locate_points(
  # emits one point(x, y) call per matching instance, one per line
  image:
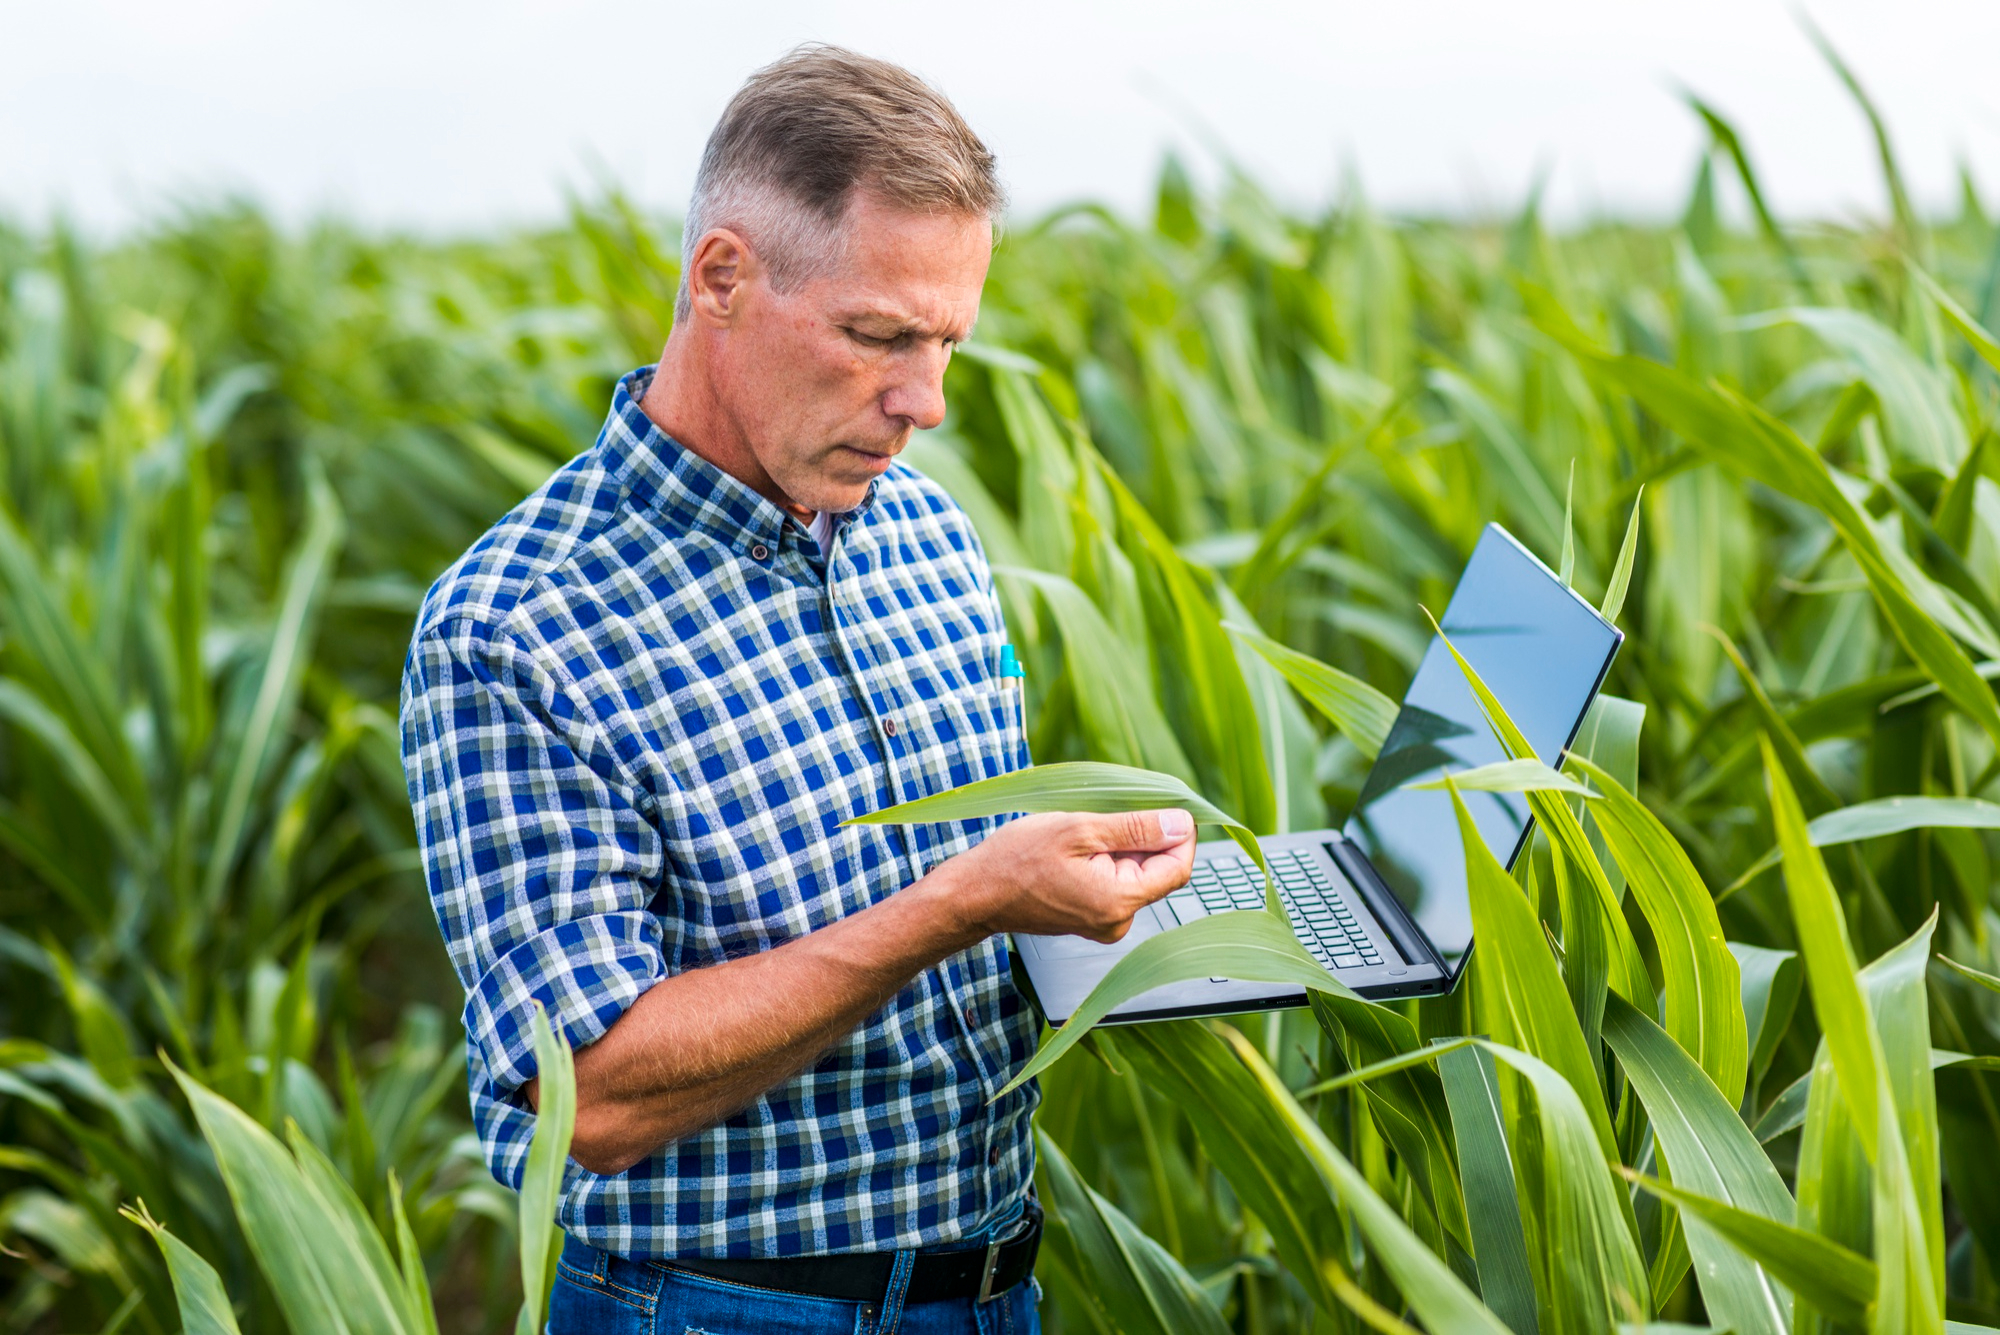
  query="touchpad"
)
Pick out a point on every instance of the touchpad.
point(1147, 922)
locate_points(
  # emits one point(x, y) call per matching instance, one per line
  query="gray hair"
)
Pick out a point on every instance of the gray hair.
point(804, 134)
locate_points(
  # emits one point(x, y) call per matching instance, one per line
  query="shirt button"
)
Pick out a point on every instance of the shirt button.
point(993, 1157)
point(972, 1016)
point(760, 552)
point(889, 726)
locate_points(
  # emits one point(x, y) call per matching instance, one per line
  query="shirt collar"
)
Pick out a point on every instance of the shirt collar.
point(687, 489)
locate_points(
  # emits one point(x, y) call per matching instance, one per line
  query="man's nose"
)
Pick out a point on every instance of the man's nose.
point(918, 394)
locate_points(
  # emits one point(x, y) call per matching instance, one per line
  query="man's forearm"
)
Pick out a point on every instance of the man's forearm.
point(700, 1045)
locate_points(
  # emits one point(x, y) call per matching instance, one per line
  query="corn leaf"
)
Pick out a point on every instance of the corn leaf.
point(1829, 960)
point(1438, 1297)
point(542, 1176)
point(323, 1280)
point(1250, 947)
point(1129, 1279)
point(1360, 711)
point(1742, 437)
point(1703, 1002)
point(1621, 570)
point(1708, 1150)
point(1492, 1203)
point(1251, 1143)
point(1771, 982)
point(1838, 1282)
point(1854, 1169)
point(1511, 776)
point(1594, 931)
point(198, 1292)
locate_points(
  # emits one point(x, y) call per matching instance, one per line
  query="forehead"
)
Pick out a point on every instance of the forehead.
point(924, 267)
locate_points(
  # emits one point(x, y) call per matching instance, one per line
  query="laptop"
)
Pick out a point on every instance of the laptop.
point(1382, 901)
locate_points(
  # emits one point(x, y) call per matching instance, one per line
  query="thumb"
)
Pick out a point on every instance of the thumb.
point(1142, 831)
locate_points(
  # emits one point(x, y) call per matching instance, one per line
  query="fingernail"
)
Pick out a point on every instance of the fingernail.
point(1176, 824)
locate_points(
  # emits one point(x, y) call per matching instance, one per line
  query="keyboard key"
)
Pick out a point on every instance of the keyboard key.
point(1347, 961)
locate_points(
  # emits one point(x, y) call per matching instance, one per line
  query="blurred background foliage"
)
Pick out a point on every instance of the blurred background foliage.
point(234, 456)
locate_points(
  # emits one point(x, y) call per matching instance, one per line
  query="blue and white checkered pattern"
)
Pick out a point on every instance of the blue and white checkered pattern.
point(634, 716)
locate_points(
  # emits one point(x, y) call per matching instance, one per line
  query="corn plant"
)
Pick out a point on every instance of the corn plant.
point(1221, 457)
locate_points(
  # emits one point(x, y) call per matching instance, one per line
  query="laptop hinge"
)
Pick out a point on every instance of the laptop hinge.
point(1382, 901)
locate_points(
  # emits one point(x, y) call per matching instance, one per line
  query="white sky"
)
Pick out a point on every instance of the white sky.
point(448, 114)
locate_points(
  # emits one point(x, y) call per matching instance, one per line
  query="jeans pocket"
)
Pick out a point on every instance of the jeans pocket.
point(600, 1299)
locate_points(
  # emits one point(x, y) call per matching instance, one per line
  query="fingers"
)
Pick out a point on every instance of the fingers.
point(1138, 831)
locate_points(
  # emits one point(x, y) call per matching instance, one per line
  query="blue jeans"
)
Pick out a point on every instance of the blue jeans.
point(597, 1293)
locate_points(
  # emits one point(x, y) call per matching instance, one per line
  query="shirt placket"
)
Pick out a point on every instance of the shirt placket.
point(895, 739)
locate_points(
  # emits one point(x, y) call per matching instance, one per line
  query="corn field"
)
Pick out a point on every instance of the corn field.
point(1723, 1060)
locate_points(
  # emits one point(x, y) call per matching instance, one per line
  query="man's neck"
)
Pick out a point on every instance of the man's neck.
point(681, 403)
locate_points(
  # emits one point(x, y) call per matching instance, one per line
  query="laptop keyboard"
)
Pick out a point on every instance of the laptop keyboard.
point(1324, 921)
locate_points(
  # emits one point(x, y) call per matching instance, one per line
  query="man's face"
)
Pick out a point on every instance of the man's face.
point(826, 382)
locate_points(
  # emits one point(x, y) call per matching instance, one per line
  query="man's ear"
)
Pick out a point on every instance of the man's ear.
point(720, 269)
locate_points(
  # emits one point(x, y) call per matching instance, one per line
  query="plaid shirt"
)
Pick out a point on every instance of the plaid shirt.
point(634, 716)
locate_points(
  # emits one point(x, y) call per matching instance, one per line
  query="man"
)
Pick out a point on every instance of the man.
point(637, 712)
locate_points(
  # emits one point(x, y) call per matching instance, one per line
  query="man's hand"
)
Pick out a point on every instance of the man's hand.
point(701, 1044)
point(1061, 874)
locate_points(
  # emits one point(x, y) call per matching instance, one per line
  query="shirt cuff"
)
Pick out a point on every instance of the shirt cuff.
point(587, 972)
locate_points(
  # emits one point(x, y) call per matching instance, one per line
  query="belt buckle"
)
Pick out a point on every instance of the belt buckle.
point(989, 1269)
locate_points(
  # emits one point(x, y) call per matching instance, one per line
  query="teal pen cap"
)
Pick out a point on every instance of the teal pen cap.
point(1010, 666)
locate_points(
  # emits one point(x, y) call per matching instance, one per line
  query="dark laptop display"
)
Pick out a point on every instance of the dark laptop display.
point(1541, 651)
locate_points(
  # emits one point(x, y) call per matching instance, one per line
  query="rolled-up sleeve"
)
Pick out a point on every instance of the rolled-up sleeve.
point(540, 864)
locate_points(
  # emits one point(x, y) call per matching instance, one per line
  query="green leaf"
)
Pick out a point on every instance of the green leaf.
point(1916, 401)
point(1771, 982)
point(1973, 332)
point(1256, 946)
point(1511, 776)
point(1985, 980)
point(417, 1304)
point(1438, 1297)
point(1360, 711)
point(1702, 985)
point(1567, 569)
point(1519, 983)
point(1853, 1077)
point(1250, 1141)
point(1839, 1282)
point(1595, 1270)
point(1829, 960)
point(542, 1177)
point(1078, 785)
point(1130, 1281)
point(1506, 1281)
point(1517, 975)
point(1708, 1150)
point(204, 1306)
point(1742, 437)
point(1366, 1034)
point(323, 1280)
point(1894, 815)
point(264, 729)
point(1621, 572)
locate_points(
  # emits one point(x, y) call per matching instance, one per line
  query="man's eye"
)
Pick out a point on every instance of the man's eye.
point(870, 340)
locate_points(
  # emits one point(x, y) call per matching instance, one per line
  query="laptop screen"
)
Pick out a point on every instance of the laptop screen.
point(1542, 652)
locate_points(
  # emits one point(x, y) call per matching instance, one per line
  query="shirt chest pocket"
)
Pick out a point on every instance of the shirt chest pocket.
point(975, 731)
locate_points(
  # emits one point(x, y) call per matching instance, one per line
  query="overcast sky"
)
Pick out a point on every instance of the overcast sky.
point(444, 114)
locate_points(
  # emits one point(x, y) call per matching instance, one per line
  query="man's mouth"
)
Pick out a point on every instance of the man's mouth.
point(874, 460)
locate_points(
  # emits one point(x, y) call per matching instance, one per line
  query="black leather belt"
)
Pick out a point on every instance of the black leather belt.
point(863, 1277)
